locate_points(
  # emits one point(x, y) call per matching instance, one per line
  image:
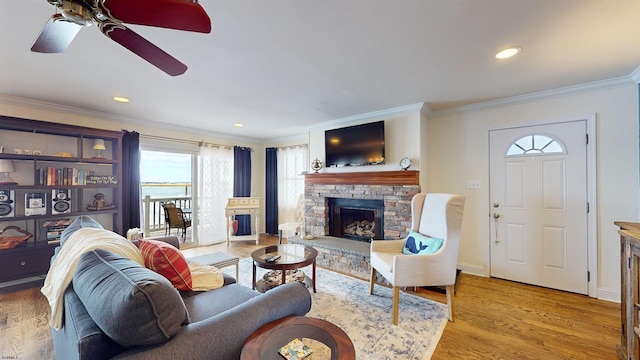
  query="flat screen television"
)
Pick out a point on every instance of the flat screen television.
point(355, 145)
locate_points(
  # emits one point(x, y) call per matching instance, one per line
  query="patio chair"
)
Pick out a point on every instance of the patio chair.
point(175, 218)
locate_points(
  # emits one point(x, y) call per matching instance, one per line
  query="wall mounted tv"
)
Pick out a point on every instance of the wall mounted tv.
point(355, 145)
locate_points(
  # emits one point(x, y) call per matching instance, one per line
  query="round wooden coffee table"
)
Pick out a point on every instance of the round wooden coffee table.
point(292, 256)
point(264, 343)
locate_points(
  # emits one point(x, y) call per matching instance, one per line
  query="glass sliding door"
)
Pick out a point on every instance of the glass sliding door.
point(167, 177)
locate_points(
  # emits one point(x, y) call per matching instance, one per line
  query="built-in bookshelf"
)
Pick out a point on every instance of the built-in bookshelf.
point(56, 172)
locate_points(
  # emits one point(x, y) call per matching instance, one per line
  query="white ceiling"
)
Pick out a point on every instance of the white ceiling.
point(282, 66)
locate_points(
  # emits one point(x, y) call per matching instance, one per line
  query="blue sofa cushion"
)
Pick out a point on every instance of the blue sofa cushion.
point(79, 223)
point(130, 303)
point(88, 339)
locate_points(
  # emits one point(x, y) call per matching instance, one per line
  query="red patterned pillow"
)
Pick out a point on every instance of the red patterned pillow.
point(168, 261)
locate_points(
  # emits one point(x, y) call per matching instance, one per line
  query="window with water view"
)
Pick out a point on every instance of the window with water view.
point(165, 175)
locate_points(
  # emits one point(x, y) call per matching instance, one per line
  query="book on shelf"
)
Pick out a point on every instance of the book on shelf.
point(51, 176)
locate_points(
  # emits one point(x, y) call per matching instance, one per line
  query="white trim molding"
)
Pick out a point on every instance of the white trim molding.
point(371, 116)
point(472, 269)
point(609, 295)
point(545, 94)
point(635, 75)
point(65, 109)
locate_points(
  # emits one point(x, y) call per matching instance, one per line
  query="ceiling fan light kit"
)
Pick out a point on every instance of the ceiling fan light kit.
point(111, 15)
point(76, 13)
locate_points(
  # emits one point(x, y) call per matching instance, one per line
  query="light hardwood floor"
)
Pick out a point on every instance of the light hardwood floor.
point(494, 319)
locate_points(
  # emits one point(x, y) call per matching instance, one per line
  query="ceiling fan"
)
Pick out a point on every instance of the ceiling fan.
point(110, 15)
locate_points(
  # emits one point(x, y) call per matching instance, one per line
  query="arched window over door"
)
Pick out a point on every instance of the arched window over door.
point(536, 144)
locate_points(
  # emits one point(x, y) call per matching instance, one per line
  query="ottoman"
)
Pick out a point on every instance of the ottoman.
point(217, 259)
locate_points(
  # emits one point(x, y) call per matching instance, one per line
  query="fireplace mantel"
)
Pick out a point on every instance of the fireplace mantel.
point(364, 178)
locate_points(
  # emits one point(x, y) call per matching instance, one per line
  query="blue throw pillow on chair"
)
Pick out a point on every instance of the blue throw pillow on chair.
point(417, 243)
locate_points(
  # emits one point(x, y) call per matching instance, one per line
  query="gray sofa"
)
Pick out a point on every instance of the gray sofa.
point(155, 321)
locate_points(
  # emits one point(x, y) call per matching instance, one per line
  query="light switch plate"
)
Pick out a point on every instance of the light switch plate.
point(473, 184)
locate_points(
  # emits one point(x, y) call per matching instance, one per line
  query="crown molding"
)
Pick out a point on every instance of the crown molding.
point(635, 75)
point(299, 138)
point(381, 114)
point(425, 110)
point(541, 95)
point(65, 109)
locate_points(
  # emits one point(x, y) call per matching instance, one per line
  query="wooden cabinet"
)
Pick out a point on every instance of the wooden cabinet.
point(25, 261)
point(629, 347)
point(60, 172)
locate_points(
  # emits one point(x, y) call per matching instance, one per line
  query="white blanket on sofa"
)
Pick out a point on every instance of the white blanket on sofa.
point(205, 277)
point(64, 266)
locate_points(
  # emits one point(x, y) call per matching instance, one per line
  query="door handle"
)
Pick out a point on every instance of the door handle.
point(495, 221)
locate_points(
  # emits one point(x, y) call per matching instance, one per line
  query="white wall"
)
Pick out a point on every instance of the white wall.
point(457, 145)
point(401, 138)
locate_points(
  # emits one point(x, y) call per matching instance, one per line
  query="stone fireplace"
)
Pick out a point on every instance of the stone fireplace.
point(385, 195)
point(382, 198)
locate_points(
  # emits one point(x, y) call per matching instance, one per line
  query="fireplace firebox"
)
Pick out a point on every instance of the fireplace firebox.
point(356, 219)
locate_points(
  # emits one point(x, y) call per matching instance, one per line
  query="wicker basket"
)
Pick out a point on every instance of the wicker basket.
point(9, 242)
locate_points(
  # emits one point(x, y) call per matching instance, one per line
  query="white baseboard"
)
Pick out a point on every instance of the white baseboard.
point(609, 295)
point(471, 269)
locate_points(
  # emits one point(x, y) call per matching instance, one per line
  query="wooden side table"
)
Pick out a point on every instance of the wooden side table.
point(264, 343)
point(243, 206)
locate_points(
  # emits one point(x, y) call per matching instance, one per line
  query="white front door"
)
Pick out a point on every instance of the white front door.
point(538, 200)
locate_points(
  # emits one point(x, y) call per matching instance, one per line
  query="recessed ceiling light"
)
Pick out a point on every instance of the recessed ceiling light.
point(121, 99)
point(238, 125)
point(508, 52)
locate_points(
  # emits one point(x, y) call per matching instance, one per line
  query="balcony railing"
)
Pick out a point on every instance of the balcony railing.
point(153, 213)
point(175, 188)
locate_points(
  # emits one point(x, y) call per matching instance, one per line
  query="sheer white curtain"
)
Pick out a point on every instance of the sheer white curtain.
point(215, 186)
point(292, 161)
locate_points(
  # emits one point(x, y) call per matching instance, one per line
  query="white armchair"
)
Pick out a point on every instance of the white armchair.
point(295, 225)
point(434, 215)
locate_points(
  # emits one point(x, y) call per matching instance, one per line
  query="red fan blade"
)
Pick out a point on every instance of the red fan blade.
point(172, 14)
point(56, 35)
point(143, 48)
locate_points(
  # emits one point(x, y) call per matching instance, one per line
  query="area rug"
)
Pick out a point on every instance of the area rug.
point(345, 301)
